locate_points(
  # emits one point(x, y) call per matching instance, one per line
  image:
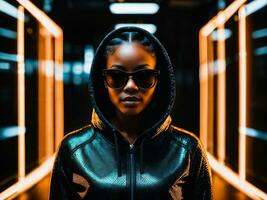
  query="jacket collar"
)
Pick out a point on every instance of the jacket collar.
point(99, 124)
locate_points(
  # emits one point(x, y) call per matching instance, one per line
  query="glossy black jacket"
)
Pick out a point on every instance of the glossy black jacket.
point(165, 162)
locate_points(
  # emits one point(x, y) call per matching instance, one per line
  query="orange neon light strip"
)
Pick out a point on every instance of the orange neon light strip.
point(59, 92)
point(205, 31)
point(235, 180)
point(210, 133)
point(221, 17)
point(221, 94)
point(242, 93)
point(49, 24)
point(203, 78)
point(25, 182)
point(41, 94)
point(21, 94)
point(35, 176)
point(49, 94)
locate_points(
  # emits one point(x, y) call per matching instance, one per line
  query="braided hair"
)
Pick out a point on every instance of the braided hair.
point(129, 37)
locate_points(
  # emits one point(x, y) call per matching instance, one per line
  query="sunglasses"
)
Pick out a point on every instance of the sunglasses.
point(143, 78)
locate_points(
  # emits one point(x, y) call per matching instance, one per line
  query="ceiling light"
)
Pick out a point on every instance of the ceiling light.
point(259, 33)
point(254, 6)
point(8, 33)
point(134, 8)
point(261, 51)
point(149, 27)
point(8, 9)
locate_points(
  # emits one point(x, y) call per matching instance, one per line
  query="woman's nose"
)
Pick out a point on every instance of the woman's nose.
point(130, 85)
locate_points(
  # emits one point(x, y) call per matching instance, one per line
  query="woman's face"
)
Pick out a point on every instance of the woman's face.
point(130, 99)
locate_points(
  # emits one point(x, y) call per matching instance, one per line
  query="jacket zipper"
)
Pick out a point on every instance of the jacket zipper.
point(132, 172)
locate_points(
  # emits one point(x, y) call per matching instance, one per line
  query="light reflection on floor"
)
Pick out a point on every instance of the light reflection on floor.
point(224, 191)
point(38, 192)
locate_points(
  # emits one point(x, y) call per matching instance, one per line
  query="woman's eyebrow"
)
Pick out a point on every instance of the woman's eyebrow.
point(142, 66)
point(117, 66)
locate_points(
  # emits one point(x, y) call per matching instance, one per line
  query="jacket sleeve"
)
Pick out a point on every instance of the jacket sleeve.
point(61, 186)
point(200, 187)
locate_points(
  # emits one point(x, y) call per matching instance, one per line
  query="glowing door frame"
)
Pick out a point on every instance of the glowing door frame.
point(237, 180)
point(27, 181)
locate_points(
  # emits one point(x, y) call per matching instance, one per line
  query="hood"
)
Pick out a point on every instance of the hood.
point(163, 99)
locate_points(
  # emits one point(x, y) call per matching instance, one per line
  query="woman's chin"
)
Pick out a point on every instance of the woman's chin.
point(130, 112)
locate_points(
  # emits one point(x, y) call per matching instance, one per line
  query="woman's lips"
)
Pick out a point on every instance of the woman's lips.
point(131, 101)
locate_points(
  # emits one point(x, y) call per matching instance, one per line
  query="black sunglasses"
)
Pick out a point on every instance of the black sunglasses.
point(143, 78)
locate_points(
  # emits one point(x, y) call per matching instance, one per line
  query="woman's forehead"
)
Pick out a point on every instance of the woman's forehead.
point(131, 54)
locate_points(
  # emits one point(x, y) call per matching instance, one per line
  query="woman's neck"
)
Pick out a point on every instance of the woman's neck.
point(128, 126)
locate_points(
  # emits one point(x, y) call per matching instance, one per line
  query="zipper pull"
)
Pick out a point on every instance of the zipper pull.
point(131, 148)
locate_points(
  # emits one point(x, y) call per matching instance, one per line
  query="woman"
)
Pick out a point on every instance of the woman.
point(131, 150)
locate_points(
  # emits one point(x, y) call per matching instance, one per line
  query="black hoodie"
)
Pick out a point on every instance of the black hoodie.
point(165, 162)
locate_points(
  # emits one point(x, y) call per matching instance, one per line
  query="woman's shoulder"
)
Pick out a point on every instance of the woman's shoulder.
point(77, 138)
point(185, 137)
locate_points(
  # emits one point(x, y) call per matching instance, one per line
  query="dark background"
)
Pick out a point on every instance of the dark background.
point(178, 22)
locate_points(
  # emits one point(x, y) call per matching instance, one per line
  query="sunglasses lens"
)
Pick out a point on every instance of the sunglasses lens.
point(145, 78)
point(115, 78)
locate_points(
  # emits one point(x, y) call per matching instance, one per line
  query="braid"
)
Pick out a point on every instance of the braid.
point(129, 37)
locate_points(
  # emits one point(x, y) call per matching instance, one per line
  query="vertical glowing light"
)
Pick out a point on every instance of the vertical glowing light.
point(221, 94)
point(27, 181)
point(203, 78)
point(21, 94)
point(205, 31)
point(210, 130)
point(59, 95)
point(237, 180)
point(49, 94)
point(46, 94)
point(41, 91)
point(242, 93)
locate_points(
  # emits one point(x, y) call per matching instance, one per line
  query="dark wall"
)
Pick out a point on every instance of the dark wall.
point(177, 29)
